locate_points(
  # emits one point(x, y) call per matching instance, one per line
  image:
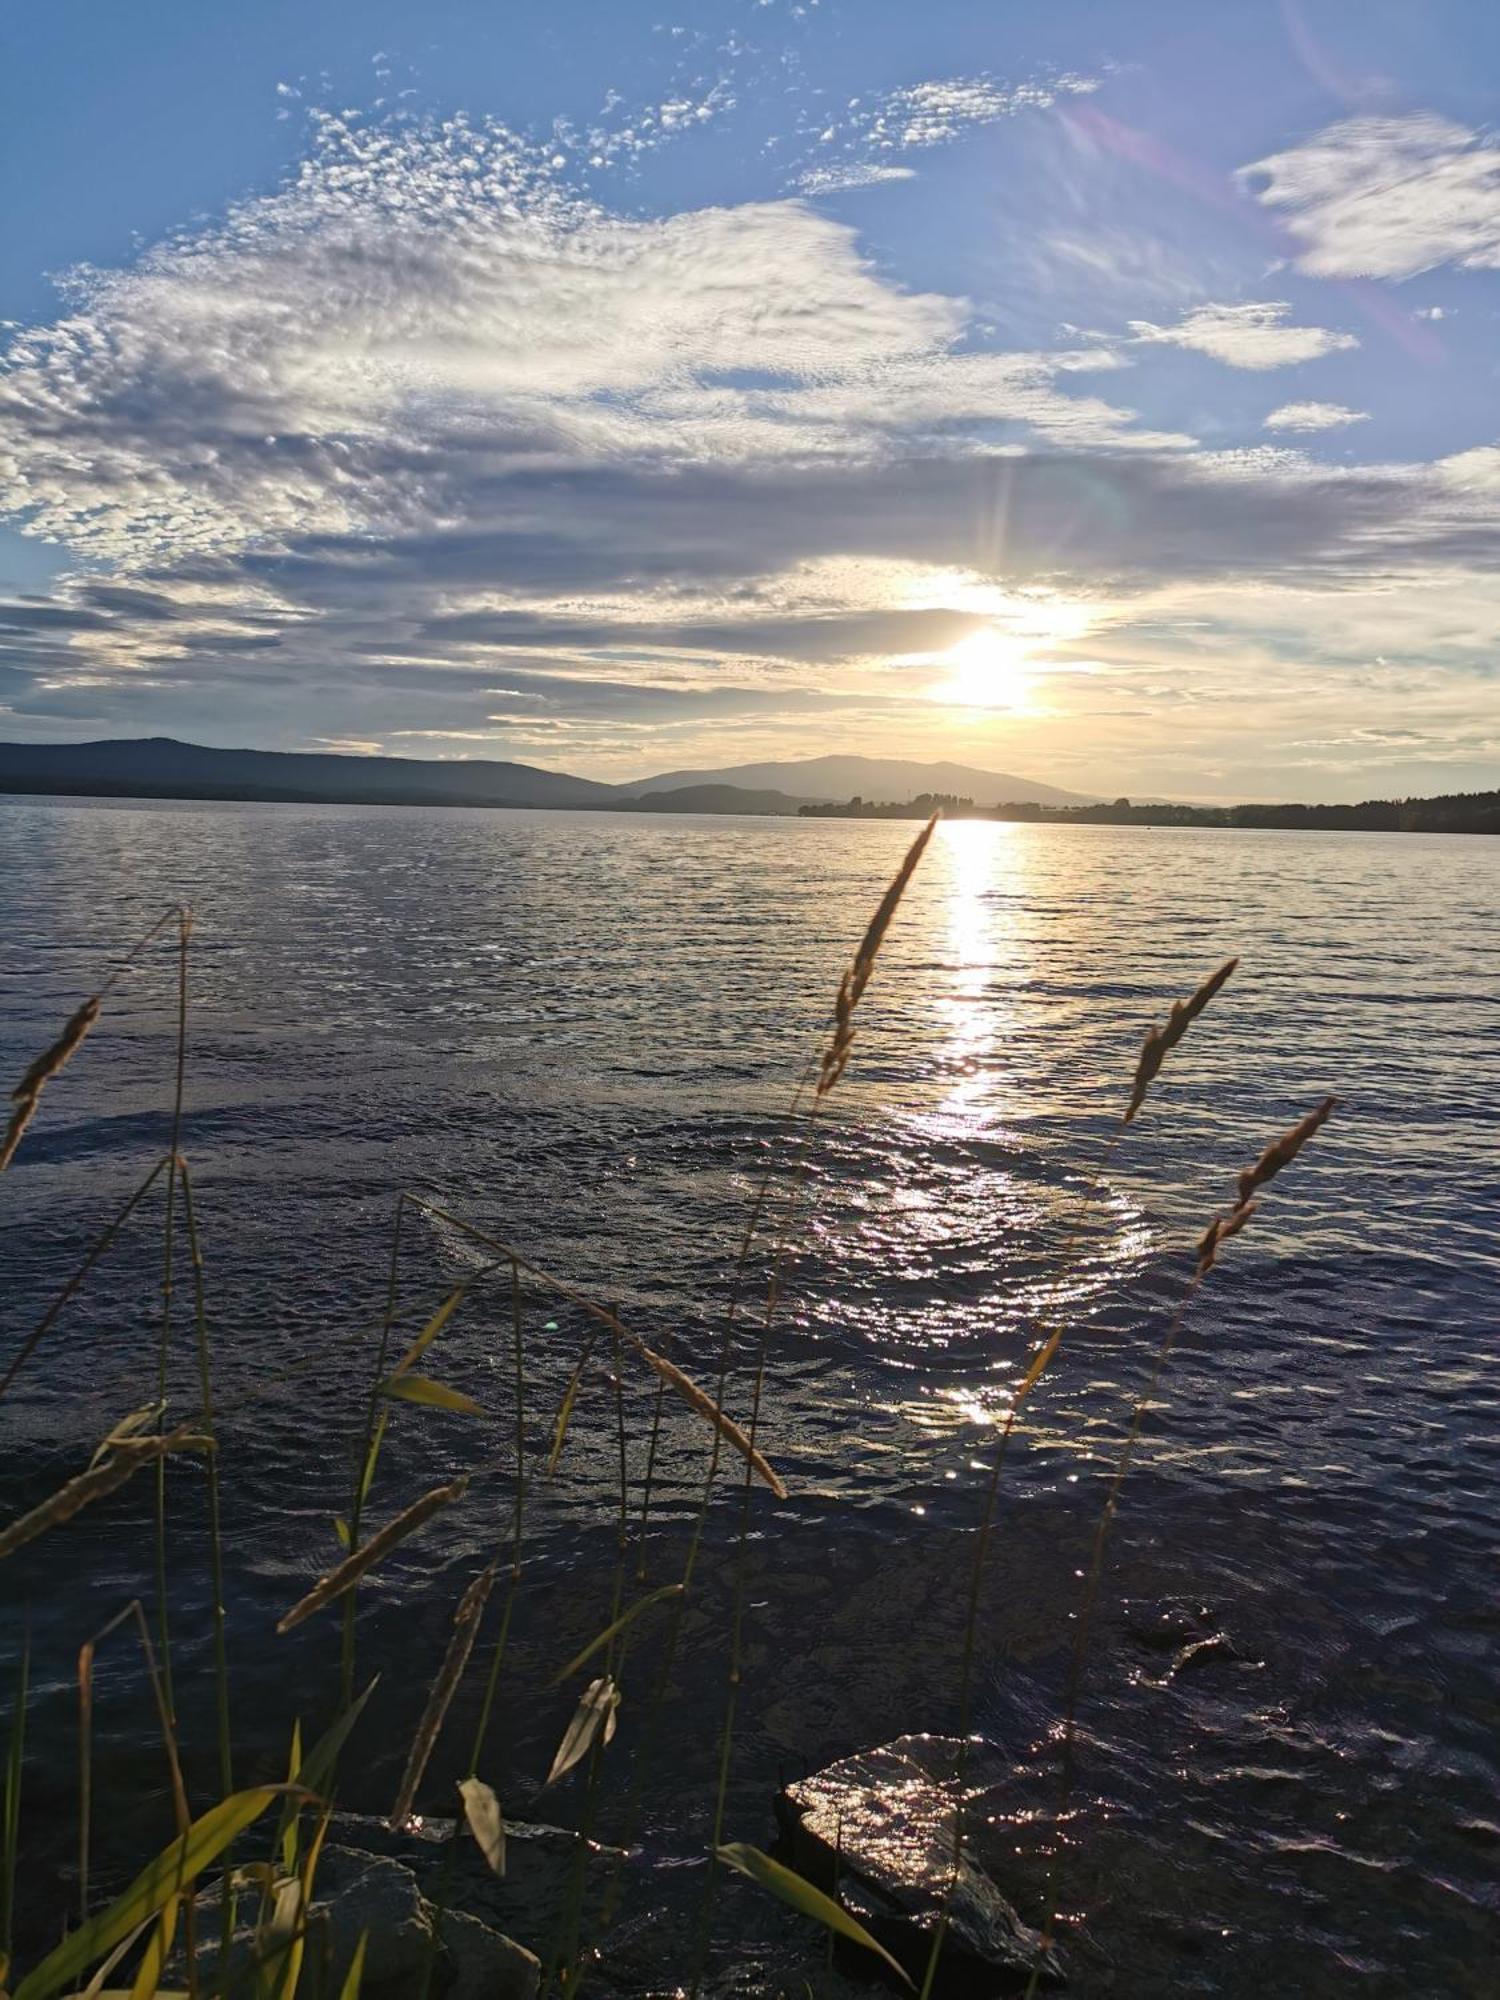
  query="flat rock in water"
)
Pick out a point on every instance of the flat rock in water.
point(884, 1820)
point(358, 1894)
point(528, 1902)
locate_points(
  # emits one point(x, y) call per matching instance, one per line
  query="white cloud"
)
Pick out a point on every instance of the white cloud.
point(428, 439)
point(861, 139)
point(1254, 335)
point(1314, 417)
point(930, 114)
point(423, 313)
point(1387, 197)
point(853, 174)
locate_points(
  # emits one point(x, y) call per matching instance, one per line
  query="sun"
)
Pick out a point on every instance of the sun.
point(987, 670)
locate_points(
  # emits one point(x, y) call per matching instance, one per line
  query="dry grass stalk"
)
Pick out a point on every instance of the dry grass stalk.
point(380, 1544)
point(465, 1630)
point(28, 1091)
point(857, 978)
point(704, 1404)
point(1281, 1152)
point(1160, 1041)
point(667, 1371)
point(1219, 1231)
point(125, 1459)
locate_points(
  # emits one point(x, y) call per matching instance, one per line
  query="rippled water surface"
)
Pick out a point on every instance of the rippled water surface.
point(581, 1032)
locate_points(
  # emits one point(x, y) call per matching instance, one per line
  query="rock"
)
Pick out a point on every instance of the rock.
point(361, 1894)
point(1165, 1627)
point(486, 1965)
point(528, 1903)
point(882, 1822)
point(366, 1894)
point(1217, 1646)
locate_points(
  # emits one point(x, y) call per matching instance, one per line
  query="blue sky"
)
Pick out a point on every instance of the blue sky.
point(1101, 392)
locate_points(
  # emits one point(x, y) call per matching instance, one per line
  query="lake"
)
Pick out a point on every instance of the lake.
point(582, 1031)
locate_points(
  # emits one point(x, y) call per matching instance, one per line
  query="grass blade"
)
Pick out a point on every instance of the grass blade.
point(173, 1871)
point(15, 1755)
point(486, 1822)
point(432, 1329)
point(610, 1631)
point(800, 1895)
point(435, 1395)
point(595, 1714)
point(352, 1978)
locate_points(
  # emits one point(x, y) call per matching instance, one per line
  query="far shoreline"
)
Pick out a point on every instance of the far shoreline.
point(1464, 813)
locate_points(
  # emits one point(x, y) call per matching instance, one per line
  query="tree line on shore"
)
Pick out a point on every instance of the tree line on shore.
point(1454, 812)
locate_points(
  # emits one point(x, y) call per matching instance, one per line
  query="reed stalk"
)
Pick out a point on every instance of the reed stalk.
point(1155, 1048)
point(15, 1763)
point(96, 1250)
point(1280, 1153)
point(174, 1158)
point(365, 1460)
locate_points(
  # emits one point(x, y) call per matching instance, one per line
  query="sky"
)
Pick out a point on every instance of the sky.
point(1104, 391)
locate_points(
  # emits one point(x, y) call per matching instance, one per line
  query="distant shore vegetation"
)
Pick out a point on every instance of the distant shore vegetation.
point(1455, 812)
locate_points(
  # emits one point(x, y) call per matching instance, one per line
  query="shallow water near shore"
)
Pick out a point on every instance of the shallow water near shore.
point(581, 1031)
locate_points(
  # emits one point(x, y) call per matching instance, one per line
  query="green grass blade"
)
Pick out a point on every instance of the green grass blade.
point(15, 1755)
point(172, 1872)
point(610, 1631)
point(432, 1329)
point(315, 1771)
point(486, 1821)
point(800, 1895)
point(435, 1395)
point(565, 1413)
point(350, 1988)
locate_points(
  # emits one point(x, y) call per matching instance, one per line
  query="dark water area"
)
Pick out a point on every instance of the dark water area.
point(581, 1032)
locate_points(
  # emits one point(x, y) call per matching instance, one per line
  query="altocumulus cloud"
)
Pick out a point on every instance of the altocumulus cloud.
point(1259, 334)
point(1387, 197)
point(426, 442)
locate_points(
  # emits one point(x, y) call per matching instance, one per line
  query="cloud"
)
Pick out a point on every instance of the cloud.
point(932, 113)
point(851, 174)
point(856, 147)
point(1254, 335)
point(428, 443)
point(1387, 197)
point(1314, 417)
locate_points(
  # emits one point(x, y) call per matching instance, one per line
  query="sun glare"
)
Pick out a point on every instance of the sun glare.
point(987, 670)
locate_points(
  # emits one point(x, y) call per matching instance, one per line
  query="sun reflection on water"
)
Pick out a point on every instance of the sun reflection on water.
point(986, 865)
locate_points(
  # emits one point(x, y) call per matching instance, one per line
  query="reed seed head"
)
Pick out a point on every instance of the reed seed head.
point(857, 978)
point(1160, 1041)
point(1281, 1152)
point(48, 1063)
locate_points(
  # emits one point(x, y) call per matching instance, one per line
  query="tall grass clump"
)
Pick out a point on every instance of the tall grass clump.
point(265, 1841)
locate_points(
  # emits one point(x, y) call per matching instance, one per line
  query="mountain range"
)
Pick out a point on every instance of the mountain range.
point(162, 767)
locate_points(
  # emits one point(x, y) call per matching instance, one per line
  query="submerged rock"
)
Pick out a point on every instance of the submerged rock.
point(360, 1894)
point(528, 1903)
point(881, 1823)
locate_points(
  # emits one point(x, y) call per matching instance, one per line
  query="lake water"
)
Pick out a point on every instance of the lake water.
point(581, 1031)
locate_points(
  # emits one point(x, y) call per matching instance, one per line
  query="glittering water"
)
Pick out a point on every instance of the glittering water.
point(581, 1031)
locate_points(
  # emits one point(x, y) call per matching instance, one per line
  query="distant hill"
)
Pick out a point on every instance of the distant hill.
point(161, 767)
point(814, 780)
point(710, 799)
